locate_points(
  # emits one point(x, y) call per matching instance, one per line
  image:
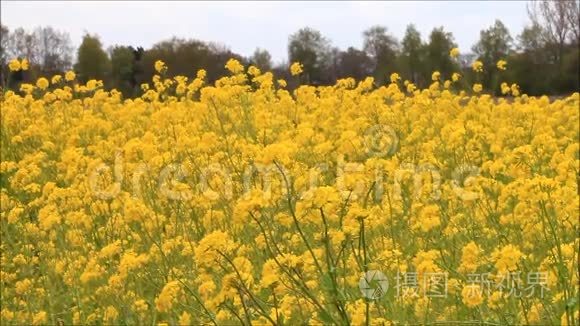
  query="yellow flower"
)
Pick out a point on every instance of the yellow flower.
point(14, 65)
point(111, 314)
point(234, 66)
point(26, 88)
point(164, 302)
point(506, 258)
point(477, 66)
point(395, 77)
point(111, 250)
point(435, 76)
point(184, 319)
point(477, 88)
point(495, 300)
point(534, 313)
point(92, 85)
point(160, 66)
point(40, 318)
point(6, 314)
point(201, 73)
point(428, 218)
point(501, 65)
point(140, 306)
point(70, 75)
point(282, 83)
point(454, 53)
point(254, 71)
point(42, 83)
point(470, 257)
point(296, 68)
point(208, 191)
point(472, 295)
point(22, 287)
point(505, 89)
point(56, 79)
point(24, 64)
point(515, 90)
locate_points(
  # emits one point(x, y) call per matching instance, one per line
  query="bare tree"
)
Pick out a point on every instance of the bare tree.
point(558, 20)
point(54, 50)
point(573, 15)
point(4, 35)
point(22, 44)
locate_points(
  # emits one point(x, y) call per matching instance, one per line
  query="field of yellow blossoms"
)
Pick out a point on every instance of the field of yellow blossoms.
point(244, 203)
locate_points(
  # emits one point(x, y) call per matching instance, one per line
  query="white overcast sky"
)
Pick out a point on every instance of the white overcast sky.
point(243, 26)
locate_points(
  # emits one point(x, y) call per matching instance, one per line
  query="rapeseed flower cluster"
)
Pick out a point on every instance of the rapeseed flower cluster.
point(18, 65)
point(240, 202)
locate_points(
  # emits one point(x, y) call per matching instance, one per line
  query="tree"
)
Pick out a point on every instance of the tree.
point(122, 69)
point(4, 35)
point(54, 50)
point(530, 65)
point(354, 63)
point(530, 39)
point(22, 44)
point(558, 21)
point(262, 59)
point(559, 24)
point(185, 57)
point(48, 51)
point(92, 60)
point(217, 58)
point(531, 45)
point(573, 16)
point(312, 50)
point(437, 52)
point(494, 44)
point(382, 48)
point(412, 53)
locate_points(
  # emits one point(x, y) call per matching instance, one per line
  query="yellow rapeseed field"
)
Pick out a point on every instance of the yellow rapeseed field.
point(244, 203)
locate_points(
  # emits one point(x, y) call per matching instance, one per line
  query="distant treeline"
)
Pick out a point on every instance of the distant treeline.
point(542, 59)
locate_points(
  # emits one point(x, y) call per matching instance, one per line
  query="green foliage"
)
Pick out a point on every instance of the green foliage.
point(495, 44)
point(437, 52)
point(92, 61)
point(310, 48)
point(122, 69)
point(354, 63)
point(262, 59)
point(383, 49)
point(412, 55)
